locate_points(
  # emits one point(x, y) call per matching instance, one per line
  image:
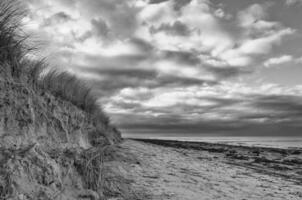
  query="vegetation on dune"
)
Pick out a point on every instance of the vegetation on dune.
point(12, 39)
point(15, 63)
point(33, 94)
point(69, 87)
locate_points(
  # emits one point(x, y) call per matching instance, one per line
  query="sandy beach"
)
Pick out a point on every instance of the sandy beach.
point(155, 169)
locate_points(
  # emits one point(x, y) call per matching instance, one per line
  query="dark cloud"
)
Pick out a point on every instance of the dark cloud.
point(100, 27)
point(174, 124)
point(107, 86)
point(120, 17)
point(176, 29)
point(111, 62)
point(157, 1)
point(287, 106)
point(128, 73)
point(222, 102)
point(228, 72)
point(263, 108)
point(142, 45)
point(83, 37)
point(104, 5)
point(57, 18)
point(113, 80)
point(178, 4)
point(170, 80)
point(156, 80)
point(118, 72)
point(182, 57)
point(227, 128)
point(275, 115)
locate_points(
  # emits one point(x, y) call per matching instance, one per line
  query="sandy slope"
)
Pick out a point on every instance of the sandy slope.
point(186, 174)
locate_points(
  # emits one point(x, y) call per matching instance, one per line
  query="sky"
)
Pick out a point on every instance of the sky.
point(181, 67)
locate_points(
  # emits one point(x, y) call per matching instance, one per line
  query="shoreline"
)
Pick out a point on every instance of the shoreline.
point(191, 144)
point(285, 163)
point(162, 170)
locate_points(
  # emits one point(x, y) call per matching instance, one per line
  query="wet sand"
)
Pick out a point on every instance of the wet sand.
point(163, 170)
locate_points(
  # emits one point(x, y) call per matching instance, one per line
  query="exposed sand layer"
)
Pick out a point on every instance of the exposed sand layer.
point(206, 171)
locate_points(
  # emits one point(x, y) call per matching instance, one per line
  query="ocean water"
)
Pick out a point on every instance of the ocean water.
point(276, 142)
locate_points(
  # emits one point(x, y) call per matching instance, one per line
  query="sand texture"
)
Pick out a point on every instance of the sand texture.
point(167, 171)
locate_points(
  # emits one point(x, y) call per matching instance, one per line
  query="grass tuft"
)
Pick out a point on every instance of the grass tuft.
point(15, 63)
point(12, 39)
point(69, 87)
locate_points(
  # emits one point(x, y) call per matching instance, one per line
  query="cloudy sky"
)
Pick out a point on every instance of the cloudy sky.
point(211, 67)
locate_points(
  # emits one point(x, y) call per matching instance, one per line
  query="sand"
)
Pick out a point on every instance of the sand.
point(168, 171)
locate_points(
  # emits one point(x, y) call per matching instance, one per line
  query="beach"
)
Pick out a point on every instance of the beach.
point(158, 169)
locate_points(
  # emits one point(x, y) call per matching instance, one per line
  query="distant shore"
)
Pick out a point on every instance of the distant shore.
point(199, 145)
point(253, 141)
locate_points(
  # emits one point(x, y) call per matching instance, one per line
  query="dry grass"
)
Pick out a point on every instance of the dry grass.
point(13, 61)
point(69, 87)
point(6, 189)
point(12, 40)
point(89, 165)
point(32, 70)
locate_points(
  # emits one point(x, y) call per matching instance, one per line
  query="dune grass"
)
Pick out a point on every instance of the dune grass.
point(14, 62)
point(69, 87)
point(12, 40)
point(41, 80)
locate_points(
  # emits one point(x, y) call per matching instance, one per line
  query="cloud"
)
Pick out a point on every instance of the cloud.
point(213, 109)
point(258, 38)
point(220, 13)
point(225, 73)
point(292, 2)
point(108, 28)
point(169, 64)
point(252, 14)
point(299, 60)
point(100, 27)
point(58, 18)
point(156, 1)
point(177, 28)
point(282, 60)
point(264, 45)
point(205, 32)
point(283, 106)
point(278, 60)
point(195, 18)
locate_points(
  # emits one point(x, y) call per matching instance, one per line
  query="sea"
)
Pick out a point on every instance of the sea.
point(275, 142)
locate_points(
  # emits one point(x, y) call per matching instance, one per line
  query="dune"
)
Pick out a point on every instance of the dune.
point(53, 132)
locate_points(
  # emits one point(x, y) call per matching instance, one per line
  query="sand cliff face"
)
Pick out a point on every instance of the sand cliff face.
point(49, 147)
point(36, 116)
point(53, 133)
